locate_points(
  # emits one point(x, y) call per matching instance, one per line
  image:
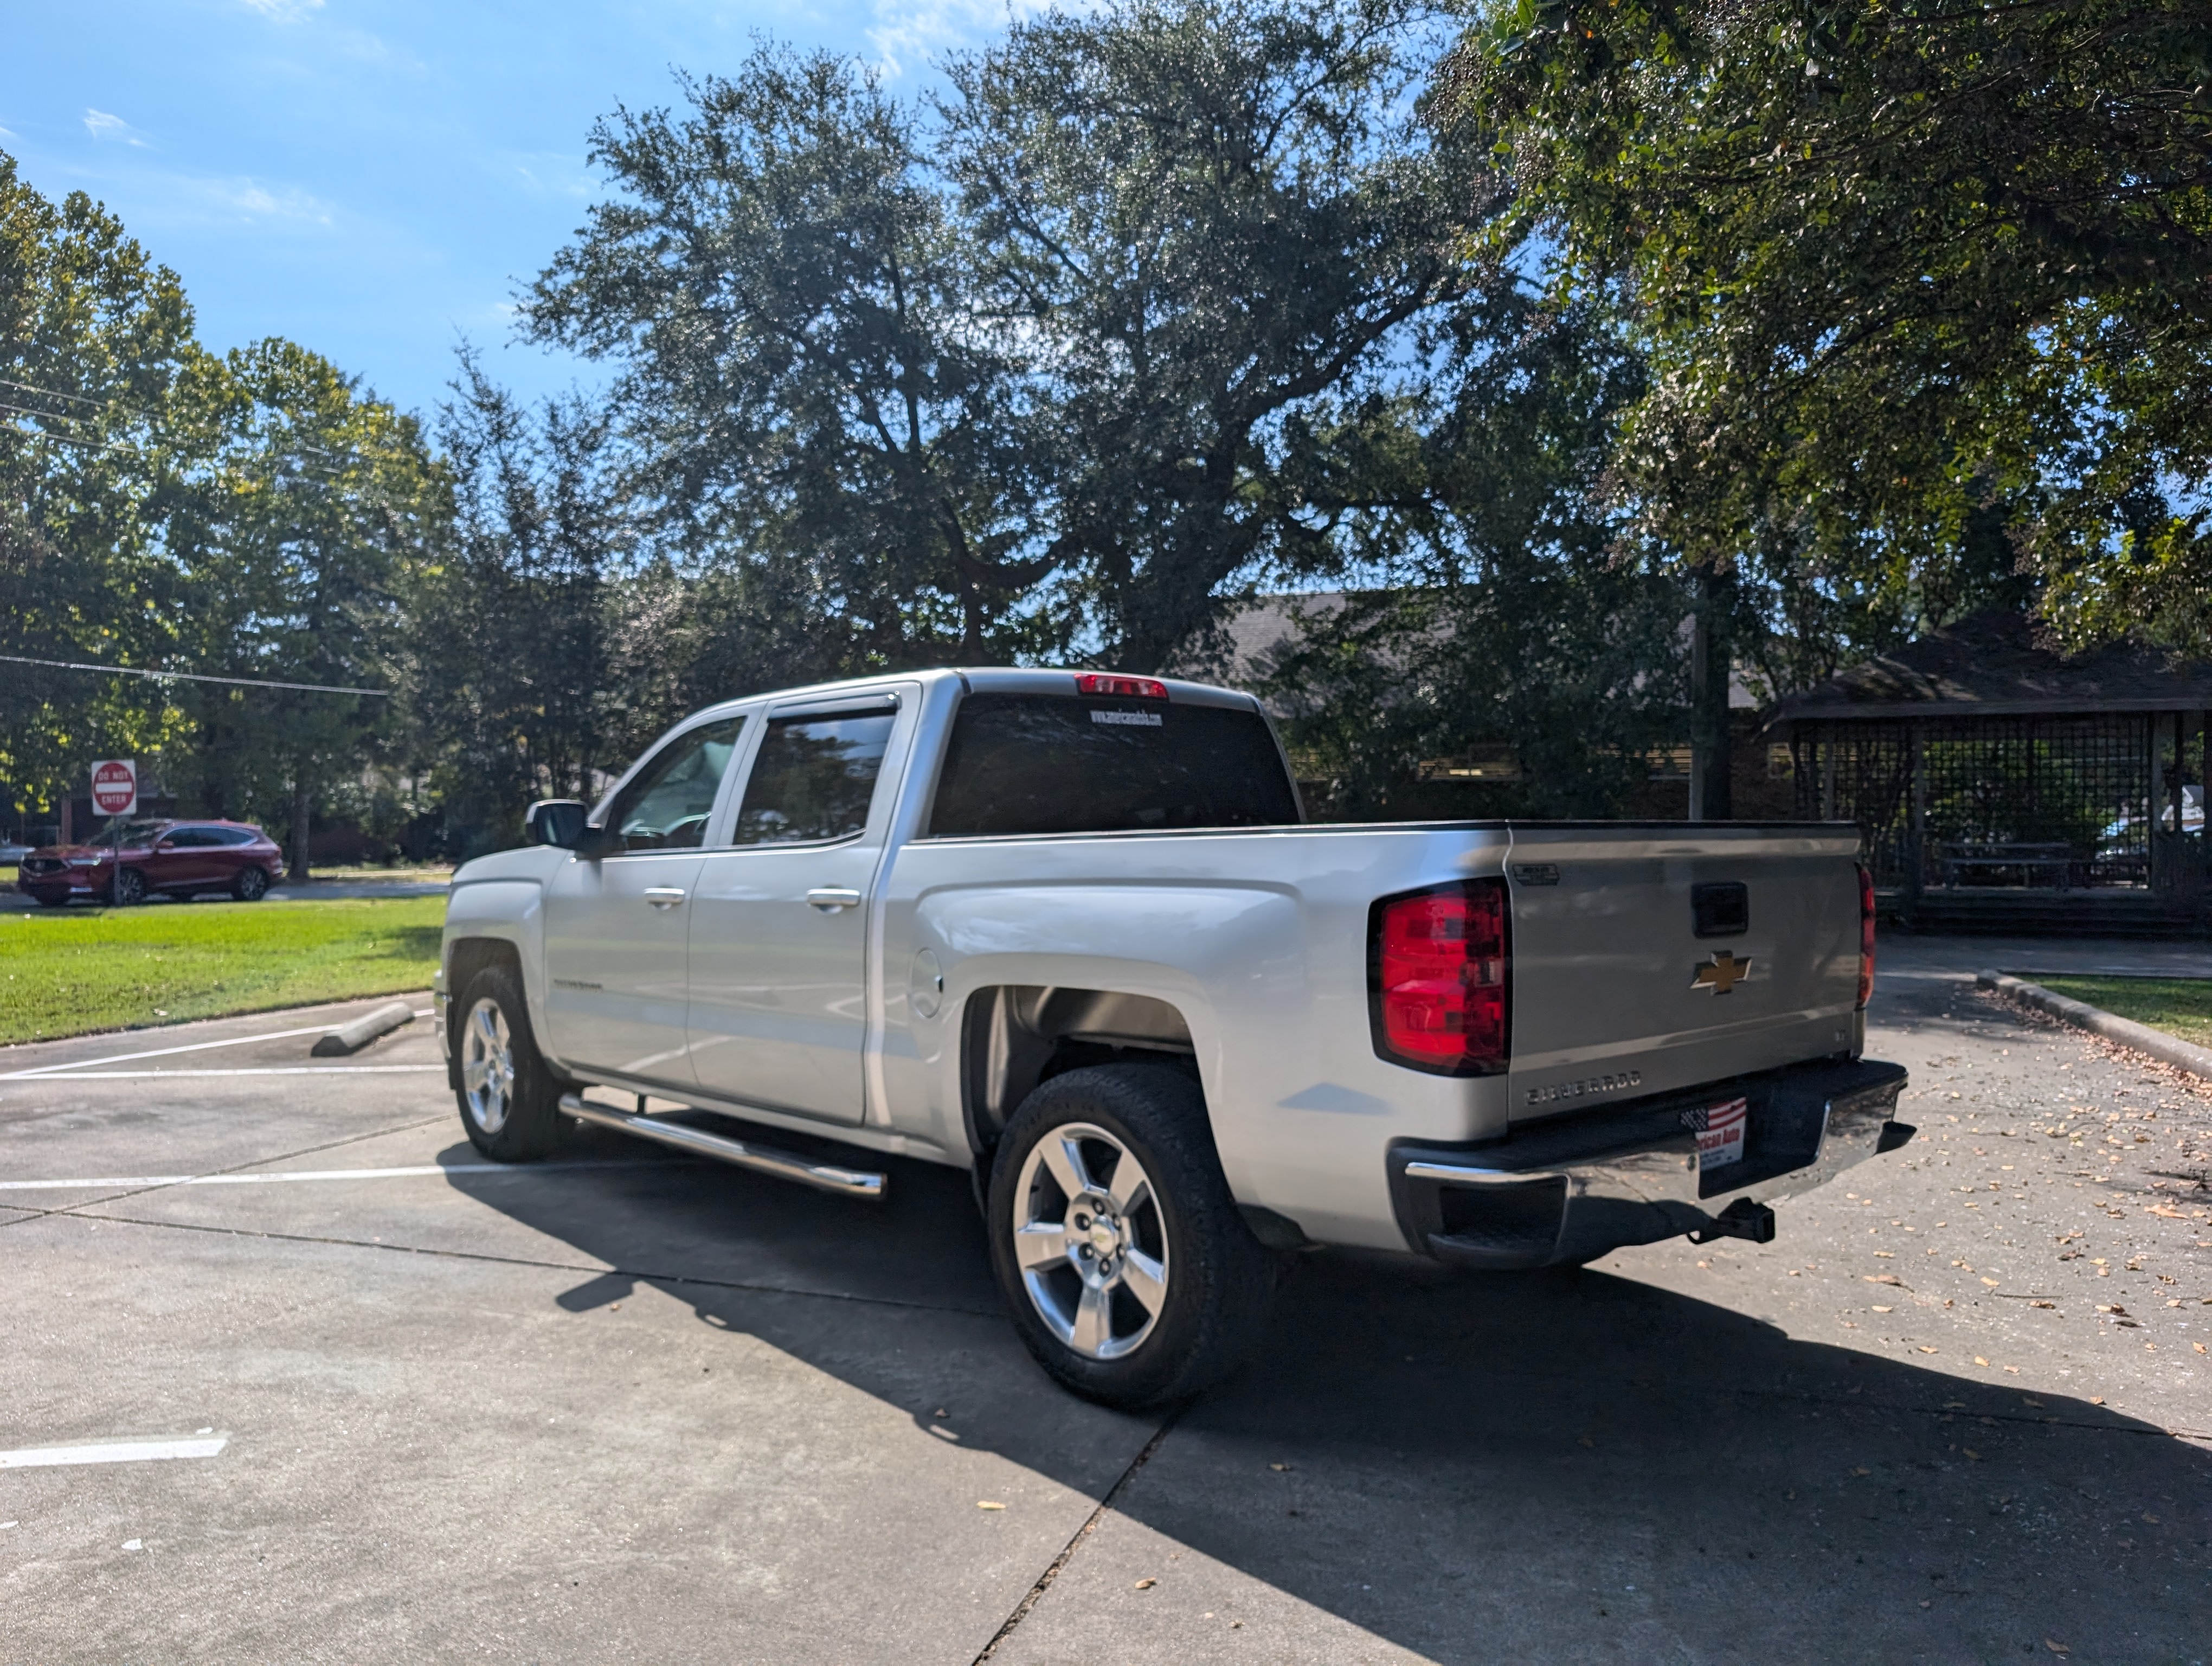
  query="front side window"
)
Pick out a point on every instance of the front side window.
point(814, 777)
point(666, 804)
point(1053, 764)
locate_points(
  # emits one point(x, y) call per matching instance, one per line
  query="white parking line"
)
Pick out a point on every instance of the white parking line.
point(288, 1175)
point(265, 1070)
point(113, 1452)
point(166, 1052)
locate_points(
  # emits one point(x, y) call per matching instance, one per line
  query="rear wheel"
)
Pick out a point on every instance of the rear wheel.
point(1127, 1268)
point(127, 889)
point(510, 1101)
point(251, 884)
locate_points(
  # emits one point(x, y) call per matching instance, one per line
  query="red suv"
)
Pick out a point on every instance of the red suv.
point(127, 860)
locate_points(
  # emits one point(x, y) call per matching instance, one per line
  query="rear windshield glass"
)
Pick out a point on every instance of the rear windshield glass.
point(1045, 763)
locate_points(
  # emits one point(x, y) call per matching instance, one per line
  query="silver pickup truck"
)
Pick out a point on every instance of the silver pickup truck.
point(1066, 931)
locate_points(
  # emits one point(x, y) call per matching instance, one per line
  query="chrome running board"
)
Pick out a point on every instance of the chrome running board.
point(762, 1159)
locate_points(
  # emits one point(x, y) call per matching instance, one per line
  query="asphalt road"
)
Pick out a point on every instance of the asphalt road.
point(627, 1407)
point(12, 901)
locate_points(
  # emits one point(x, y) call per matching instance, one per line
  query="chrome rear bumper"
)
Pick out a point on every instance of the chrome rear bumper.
point(1570, 1189)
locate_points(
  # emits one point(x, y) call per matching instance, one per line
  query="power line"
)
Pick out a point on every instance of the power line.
point(51, 392)
point(193, 676)
point(66, 439)
point(350, 455)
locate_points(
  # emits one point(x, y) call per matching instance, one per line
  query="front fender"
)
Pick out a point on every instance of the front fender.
point(501, 910)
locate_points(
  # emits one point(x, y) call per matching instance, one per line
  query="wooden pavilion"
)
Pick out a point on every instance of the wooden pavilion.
point(2001, 786)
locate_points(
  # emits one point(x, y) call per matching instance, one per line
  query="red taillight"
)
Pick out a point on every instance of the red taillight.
point(1866, 936)
point(1441, 979)
point(1121, 688)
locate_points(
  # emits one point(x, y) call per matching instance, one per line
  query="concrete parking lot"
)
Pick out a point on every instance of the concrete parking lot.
point(623, 1407)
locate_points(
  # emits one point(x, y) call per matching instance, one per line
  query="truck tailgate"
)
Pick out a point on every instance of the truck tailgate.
point(1648, 958)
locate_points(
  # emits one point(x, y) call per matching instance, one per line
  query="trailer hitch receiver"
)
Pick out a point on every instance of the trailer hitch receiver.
point(1741, 1220)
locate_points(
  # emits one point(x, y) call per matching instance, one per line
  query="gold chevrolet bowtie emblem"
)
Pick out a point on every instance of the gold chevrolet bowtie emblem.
point(1722, 973)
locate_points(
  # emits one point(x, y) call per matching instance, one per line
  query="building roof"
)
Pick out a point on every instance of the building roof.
point(1991, 664)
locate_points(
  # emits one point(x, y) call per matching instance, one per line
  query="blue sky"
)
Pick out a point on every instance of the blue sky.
point(375, 180)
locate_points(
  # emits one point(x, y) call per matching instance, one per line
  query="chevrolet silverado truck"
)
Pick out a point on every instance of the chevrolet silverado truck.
point(1068, 931)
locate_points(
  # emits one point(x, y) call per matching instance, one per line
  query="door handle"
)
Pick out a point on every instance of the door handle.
point(831, 898)
point(664, 897)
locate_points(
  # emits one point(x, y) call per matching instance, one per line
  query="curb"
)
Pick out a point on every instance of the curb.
point(337, 1043)
point(2167, 1050)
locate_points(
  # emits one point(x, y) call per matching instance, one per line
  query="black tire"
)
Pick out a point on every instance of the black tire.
point(528, 1121)
point(127, 889)
point(1218, 1282)
point(251, 885)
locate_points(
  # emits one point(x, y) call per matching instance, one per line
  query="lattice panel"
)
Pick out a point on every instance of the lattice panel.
point(2060, 803)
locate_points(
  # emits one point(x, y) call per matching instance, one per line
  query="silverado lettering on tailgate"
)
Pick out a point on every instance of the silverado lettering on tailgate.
point(1586, 1087)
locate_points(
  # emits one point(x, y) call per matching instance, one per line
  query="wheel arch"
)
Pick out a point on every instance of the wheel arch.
point(465, 957)
point(1014, 1036)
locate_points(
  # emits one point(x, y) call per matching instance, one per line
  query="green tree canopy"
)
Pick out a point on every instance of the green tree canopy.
point(1910, 273)
point(291, 544)
point(1224, 220)
point(93, 337)
point(818, 399)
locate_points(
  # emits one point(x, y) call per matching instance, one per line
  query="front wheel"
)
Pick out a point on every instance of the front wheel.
point(251, 885)
point(510, 1101)
point(127, 889)
point(1127, 1269)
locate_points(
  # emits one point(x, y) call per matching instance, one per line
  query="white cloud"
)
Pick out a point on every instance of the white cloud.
point(549, 173)
point(239, 200)
point(256, 202)
point(283, 11)
point(101, 126)
point(919, 31)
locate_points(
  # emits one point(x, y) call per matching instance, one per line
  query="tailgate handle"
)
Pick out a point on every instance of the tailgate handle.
point(1720, 909)
point(831, 898)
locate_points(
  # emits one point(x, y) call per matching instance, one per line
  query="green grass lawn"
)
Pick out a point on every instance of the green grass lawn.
point(64, 972)
point(2179, 1006)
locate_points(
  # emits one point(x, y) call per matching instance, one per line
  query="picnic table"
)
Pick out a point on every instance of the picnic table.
point(2028, 861)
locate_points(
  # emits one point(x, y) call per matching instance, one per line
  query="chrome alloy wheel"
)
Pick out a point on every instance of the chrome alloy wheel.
point(1090, 1241)
point(487, 1066)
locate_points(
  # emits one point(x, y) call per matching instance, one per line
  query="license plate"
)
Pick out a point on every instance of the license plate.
point(1721, 1143)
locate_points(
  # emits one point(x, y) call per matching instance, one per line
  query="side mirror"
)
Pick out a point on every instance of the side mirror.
point(557, 822)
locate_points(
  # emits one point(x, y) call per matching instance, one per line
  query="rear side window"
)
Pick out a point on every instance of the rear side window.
point(814, 778)
point(1046, 764)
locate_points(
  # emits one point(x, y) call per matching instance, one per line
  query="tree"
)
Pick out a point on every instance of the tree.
point(93, 336)
point(316, 500)
point(820, 406)
point(1923, 283)
point(1220, 220)
point(1510, 631)
point(507, 670)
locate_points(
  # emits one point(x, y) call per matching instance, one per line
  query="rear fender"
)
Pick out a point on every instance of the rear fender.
point(1155, 958)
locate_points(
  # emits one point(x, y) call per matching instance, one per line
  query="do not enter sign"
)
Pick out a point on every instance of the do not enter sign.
point(115, 786)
